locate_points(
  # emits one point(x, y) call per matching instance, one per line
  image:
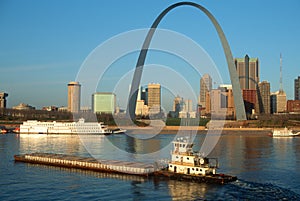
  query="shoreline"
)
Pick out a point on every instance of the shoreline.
point(198, 130)
point(179, 129)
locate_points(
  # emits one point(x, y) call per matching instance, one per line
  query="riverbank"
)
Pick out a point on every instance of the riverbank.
point(197, 129)
point(176, 129)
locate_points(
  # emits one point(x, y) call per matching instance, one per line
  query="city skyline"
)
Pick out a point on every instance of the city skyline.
point(54, 43)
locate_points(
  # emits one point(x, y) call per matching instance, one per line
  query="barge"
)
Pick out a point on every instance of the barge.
point(87, 163)
point(185, 165)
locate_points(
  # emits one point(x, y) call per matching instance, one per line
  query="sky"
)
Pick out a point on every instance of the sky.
point(43, 44)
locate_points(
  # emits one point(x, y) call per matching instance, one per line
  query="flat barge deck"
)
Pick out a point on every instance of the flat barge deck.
point(86, 163)
point(119, 167)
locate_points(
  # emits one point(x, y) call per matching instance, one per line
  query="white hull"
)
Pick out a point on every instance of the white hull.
point(119, 131)
point(284, 133)
point(80, 127)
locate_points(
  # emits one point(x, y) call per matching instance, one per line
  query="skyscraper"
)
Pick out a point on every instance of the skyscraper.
point(154, 98)
point(297, 88)
point(188, 104)
point(264, 97)
point(3, 99)
point(177, 104)
point(248, 72)
point(74, 97)
point(205, 86)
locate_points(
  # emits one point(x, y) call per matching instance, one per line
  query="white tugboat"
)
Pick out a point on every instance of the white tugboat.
point(188, 165)
point(185, 161)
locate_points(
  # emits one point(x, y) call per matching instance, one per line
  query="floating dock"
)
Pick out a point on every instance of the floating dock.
point(119, 167)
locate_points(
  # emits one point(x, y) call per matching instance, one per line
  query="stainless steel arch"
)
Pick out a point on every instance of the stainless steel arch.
point(238, 100)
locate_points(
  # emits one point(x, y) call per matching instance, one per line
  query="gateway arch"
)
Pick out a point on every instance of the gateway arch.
point(238, 100)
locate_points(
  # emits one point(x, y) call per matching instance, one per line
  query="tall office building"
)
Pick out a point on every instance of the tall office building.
point(104, 102)
point(177, 104)
point(220, 102)
point(278, 102)
point(297, 88)
point(248, 72)
point(188, 105)
point(74, 97)
point(264, 97)
point(3, 99)
point(154, 98)
point(205, 86)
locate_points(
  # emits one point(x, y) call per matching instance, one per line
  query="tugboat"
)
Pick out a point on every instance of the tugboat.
point(188, 165)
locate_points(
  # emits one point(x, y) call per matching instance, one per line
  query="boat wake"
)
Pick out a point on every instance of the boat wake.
point(245, 190)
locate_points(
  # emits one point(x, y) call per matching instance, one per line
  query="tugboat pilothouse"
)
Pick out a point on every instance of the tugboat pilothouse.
point(185, 161)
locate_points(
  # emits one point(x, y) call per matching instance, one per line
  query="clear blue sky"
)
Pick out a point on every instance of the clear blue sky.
point(43, 43)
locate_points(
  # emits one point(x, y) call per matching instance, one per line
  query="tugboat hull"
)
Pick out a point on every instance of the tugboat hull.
point(214, 178)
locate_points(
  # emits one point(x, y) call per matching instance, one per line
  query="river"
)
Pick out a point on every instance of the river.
point(267, 168)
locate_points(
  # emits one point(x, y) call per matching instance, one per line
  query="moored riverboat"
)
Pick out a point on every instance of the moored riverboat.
point(284, 133)
point(80, 127)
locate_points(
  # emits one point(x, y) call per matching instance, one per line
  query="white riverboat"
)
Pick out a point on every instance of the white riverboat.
point(284, 133)
point(185, 161)
point(80, 127)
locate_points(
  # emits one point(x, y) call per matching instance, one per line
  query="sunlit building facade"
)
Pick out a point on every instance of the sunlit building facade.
point(248, 72)
point(74, 93)
point(154, 98)
point(205, 86)
point(3, 99)
point(297, 88)
point(104, 102)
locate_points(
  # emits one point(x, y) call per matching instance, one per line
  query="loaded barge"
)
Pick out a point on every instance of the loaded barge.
point(86, 163)
point(185, 165)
